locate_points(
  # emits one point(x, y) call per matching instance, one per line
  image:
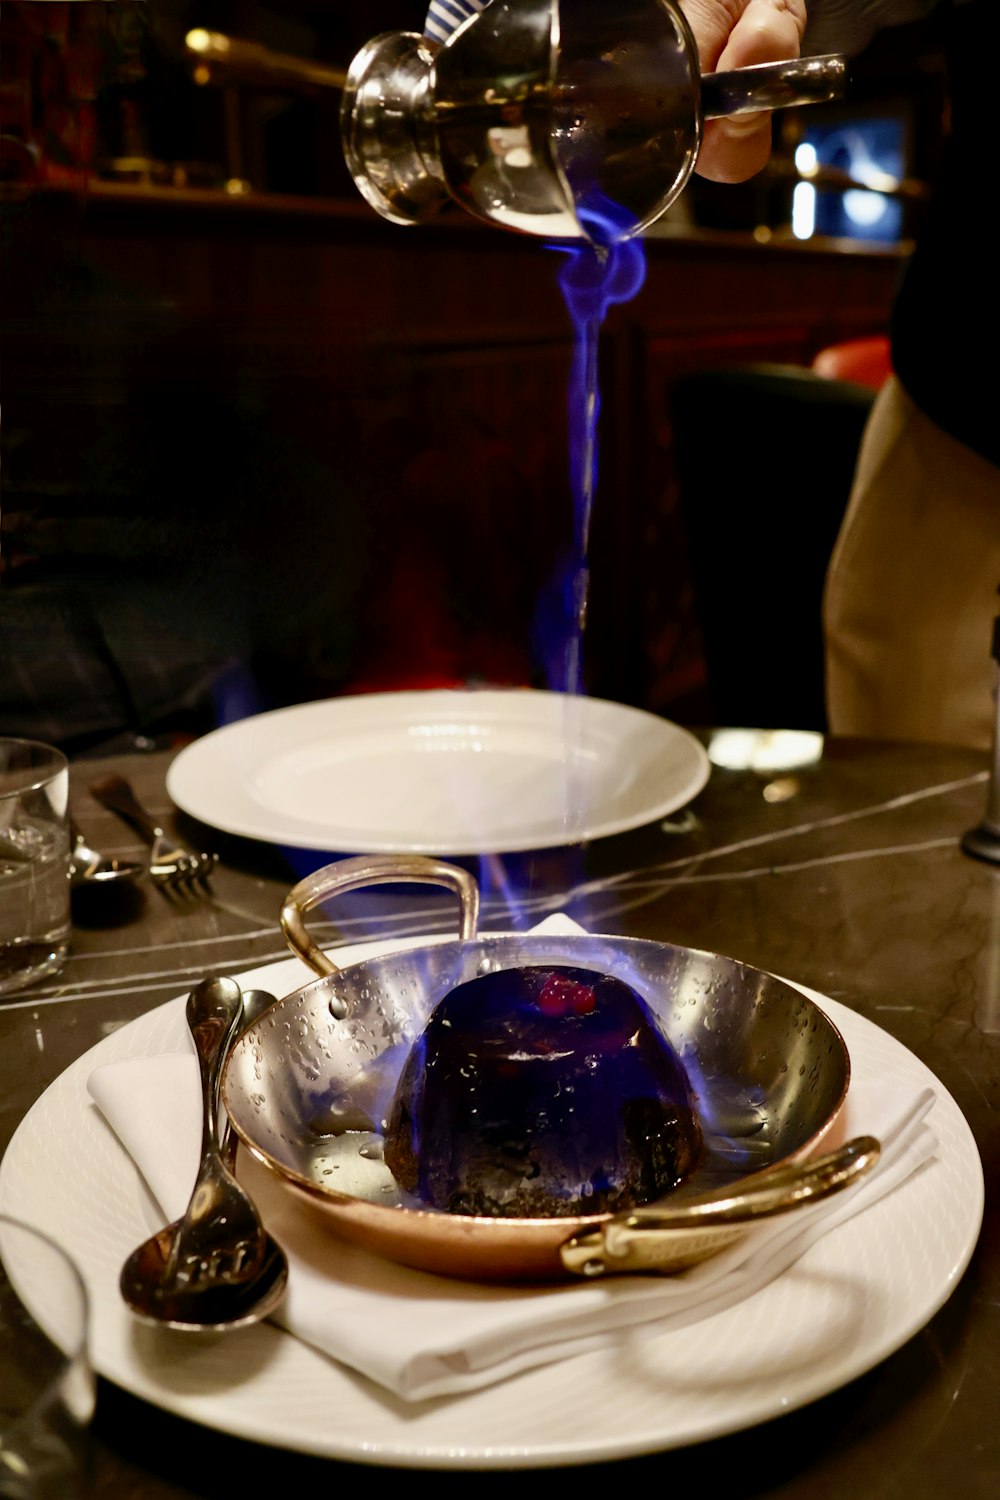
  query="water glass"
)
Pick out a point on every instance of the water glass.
point(47, 1383)
point(34, 862)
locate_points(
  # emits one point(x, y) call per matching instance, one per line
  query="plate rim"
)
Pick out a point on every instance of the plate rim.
point(407, 1450)
point(204, 773)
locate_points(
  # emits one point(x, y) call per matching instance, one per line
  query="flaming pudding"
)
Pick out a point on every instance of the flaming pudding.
point(541, 1092)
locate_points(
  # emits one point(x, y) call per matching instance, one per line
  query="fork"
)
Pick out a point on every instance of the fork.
point(172, 866)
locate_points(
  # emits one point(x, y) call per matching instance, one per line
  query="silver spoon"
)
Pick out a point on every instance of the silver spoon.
point(90, 868)
point(216, 1267)
point(255, 1003)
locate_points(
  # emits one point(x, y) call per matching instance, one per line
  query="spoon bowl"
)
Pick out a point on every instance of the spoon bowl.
point(156, 1293)
point(216, 1267)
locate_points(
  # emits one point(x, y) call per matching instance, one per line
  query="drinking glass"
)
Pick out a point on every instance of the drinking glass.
point(47, 1383)
point(34, 862)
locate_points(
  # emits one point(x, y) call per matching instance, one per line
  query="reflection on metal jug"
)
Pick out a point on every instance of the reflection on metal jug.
point(570, 122)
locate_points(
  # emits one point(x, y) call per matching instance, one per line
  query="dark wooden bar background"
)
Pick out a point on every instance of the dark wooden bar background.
point(427, 367)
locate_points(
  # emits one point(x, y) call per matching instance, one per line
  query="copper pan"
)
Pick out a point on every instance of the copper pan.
point(307, 1085)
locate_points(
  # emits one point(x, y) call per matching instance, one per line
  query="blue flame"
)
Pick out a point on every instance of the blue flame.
point(596, 274)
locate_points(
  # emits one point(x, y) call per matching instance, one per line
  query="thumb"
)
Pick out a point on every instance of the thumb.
point(738, 34)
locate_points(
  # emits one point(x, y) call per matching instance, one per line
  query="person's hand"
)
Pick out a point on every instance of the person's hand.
point(736, 34)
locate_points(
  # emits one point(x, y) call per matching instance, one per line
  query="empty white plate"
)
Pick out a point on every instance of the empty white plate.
point(444, 771)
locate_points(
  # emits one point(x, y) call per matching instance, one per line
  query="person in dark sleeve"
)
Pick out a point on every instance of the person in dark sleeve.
point(911, 590)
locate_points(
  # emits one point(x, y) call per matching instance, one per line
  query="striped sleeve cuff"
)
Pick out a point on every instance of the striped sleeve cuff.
point(444, 16)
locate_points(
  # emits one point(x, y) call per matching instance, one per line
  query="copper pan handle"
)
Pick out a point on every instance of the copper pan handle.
point(371, 869)
point(665, 1237)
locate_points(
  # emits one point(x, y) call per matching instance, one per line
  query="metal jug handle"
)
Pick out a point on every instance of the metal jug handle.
point(371, 869)
point(773, 85)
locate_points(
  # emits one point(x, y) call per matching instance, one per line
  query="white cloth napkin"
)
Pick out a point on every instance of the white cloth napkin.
point(421, 1335)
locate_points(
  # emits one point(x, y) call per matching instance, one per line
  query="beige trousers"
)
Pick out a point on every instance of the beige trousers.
point(912, 587)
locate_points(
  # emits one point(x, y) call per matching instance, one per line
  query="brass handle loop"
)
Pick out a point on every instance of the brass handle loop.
point(371, 869)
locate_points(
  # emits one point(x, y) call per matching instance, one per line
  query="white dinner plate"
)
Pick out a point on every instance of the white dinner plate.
point(850, 1301)
point(445, 771)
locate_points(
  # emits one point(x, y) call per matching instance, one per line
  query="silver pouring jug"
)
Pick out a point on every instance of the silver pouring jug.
point(567, 119)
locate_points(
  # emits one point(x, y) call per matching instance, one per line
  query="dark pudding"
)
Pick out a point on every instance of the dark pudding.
point(539, 1093)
